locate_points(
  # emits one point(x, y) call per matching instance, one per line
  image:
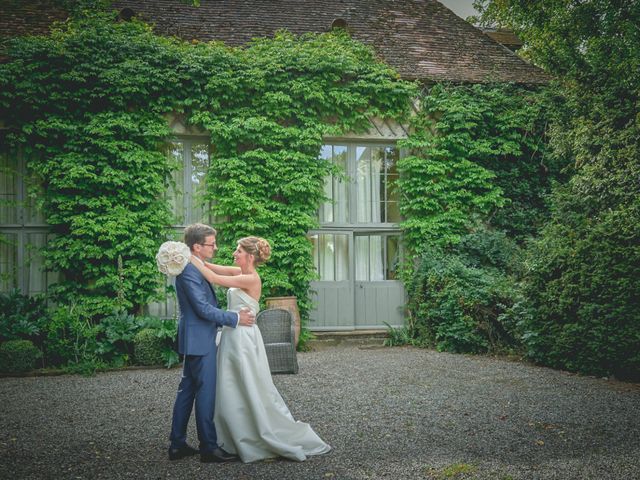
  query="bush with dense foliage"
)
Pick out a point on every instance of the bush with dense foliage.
point(460, 297)
point(18, 356)
point(473, 184)
point(22, 316)
point(148, 347)
point(582, 287)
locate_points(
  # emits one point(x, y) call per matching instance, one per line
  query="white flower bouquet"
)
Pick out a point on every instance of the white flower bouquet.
point(172, 257)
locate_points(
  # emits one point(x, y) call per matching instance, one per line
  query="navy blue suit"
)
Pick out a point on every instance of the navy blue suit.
point(200, 318)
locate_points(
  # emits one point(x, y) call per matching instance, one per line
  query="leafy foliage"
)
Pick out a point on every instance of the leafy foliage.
point(22, 316)
point(267, 126)
point(459, 301)
point(582, 289)
point(475, 181)
point(88, 104)
point(18, 356)
point(148, 347)
point(477, 153)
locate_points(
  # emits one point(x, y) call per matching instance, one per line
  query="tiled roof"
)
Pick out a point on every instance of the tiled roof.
point(422, 39)
point(20, 17)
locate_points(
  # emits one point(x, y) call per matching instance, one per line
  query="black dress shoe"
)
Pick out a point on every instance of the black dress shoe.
point(181, 452)
point(218, 455)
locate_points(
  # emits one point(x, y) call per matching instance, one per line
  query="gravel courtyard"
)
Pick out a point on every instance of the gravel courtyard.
point(397, 413)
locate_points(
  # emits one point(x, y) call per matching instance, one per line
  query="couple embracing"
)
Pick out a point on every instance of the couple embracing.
point(240, 414)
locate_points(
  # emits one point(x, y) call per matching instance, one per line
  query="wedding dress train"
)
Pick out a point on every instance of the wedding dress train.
point(251, 418)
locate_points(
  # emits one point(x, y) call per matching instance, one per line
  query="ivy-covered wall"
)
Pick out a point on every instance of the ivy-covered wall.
point(87, 104)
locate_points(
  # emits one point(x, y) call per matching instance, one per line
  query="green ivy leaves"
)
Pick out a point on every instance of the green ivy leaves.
point(92, 99)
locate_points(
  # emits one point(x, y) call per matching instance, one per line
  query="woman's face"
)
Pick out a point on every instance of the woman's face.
point(242, 258)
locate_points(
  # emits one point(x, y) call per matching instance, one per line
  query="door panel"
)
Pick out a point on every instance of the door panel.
point(379, 298)
point(357, 246)
point(378, 303)
point(332, 306)
point(332, 294)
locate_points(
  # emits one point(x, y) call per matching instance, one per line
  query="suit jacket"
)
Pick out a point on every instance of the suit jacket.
point(200, 316)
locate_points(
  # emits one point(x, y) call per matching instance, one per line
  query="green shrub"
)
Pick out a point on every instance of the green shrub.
point(459, 301)
point(22, 316)
point(149, 347)
point(582, 286)
point(18, 356)
point(71, 337)
point(115, 337)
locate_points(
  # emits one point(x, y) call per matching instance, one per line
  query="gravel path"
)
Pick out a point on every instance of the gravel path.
point(397, 413)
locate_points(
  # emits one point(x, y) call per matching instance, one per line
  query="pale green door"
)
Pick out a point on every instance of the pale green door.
point(357, 247)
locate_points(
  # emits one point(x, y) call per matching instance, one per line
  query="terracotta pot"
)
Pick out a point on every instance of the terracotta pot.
point(288, 303)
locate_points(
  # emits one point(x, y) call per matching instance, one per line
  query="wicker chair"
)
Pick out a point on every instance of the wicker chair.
point(277, 329)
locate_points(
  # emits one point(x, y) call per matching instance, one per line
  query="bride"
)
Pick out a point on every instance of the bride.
point(251, 417)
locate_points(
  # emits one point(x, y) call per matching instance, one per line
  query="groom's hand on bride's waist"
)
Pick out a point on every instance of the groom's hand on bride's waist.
point(246, 318)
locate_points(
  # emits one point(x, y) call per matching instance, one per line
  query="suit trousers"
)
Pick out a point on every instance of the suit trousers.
point(198, 385)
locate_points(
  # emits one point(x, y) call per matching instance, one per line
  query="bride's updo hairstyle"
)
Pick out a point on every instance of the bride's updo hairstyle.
point(256, 246)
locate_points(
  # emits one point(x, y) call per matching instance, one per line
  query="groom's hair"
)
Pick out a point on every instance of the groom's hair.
point(197, 233)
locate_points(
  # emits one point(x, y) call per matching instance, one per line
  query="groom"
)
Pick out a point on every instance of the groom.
point(200, 318)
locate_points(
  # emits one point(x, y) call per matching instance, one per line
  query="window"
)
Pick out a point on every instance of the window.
point(377, 257)
point(186, 195)
point(369, 195)
point(23, 232)
point(331, 256)
point(377, 175)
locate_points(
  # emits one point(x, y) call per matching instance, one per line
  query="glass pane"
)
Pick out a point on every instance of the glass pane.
point(327, 255)
point(199, 168)
point(393, 212)
point(342, 257)
point(340, 187)
point(376, 258)
point(392, 196)
point(393, 257)
point(36, 277)
point(336, 208)
point(331, 256)
point(363, 180)
point(316, 252)
point(377, 184)
point(8, 262)
point(362, 258)
point(32, 212)
point(8, 191)
point(175, 194)
point(326, 209)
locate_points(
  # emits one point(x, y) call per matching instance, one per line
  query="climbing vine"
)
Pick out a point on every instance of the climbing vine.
point(88, 106)
point(478, 154)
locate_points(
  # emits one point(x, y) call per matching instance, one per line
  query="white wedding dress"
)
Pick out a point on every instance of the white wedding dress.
point(251, 417)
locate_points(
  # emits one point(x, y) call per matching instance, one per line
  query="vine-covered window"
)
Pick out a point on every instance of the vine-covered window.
point(23, 231)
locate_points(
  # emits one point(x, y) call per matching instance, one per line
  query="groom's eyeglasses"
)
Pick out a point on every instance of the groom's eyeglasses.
point(213, 245)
